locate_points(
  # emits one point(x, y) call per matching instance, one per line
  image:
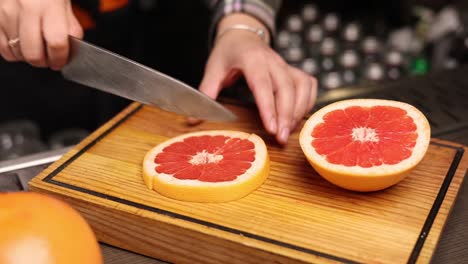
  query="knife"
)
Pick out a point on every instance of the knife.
point(106, 71)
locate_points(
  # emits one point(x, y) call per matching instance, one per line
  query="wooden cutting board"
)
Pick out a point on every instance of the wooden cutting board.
point(294, 217)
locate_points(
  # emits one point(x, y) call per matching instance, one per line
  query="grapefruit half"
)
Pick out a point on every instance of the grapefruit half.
point(207, 166)
point(365, 144)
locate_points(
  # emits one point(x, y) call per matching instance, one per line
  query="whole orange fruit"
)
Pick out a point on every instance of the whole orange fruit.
point(35, 228)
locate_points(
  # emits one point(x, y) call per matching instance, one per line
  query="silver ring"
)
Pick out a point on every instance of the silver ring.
point(13, 42)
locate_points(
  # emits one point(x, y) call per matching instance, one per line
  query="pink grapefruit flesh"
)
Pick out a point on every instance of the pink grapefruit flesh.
point(221, 158)
point(365, 144)
point(207, 166)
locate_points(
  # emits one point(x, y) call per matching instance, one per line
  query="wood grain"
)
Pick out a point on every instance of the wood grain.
point(296, 216)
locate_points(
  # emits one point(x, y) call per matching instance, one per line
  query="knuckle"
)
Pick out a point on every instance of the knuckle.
point(283, 65)
point(255, 54)
point(258, 82)
point(10, 58)
point(34, 59)
point(31, 6)
point(297, 117)
point(3, 12)
point(6, 10)
point(26, 3)
point(57, 63)
point(57, 43)
point(76, 31)
point(7, 56)
point(311, 82)
point(4, 51)
point(276, 57)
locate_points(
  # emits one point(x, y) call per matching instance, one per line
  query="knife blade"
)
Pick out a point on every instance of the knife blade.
point(106, 71)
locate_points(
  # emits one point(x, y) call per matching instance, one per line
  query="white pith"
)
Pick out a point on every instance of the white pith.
point(364, 134)
point(260, 158)
point(422, 142)
point(205, 157)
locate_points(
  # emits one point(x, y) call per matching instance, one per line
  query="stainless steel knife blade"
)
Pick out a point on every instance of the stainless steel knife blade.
point(101, 69)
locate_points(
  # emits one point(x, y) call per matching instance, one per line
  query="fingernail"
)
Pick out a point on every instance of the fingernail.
point(273, 127)
point(193, 121)
point(284, 134)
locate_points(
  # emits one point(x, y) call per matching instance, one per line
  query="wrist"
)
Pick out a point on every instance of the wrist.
point(240, 21)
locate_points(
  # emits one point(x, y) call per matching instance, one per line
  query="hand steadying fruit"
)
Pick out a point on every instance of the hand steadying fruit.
point(283, 94)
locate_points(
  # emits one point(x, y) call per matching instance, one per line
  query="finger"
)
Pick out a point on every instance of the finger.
point(74, 27)
point(285, 97)
point(260, 83)
point(31, 40)
point(10, 26)
point(5, 49)
point(303, 85)
point(313, 94)
point(55, 30)
point(210, 85)
point(213, 77)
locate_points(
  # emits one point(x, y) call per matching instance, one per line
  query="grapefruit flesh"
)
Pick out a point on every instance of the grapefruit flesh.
point(365, 144)
point(207, 166)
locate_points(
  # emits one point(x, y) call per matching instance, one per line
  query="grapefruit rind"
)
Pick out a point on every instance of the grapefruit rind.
point(199, 191)
point(359, 178)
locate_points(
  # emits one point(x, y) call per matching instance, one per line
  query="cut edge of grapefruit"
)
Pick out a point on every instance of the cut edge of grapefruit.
point(359, 178)
point(201, 191)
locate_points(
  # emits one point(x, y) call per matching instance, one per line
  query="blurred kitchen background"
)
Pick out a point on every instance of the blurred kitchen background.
point(354, 48)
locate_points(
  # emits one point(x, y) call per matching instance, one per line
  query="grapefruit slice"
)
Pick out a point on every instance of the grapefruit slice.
point(365, 144)
point(207, 166)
